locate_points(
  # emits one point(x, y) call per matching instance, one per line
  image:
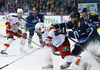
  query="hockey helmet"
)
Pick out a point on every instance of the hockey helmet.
point(75, 14)
point(39, 25)
point(20, 10)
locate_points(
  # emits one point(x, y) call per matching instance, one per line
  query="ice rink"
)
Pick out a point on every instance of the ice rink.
point(35, 60)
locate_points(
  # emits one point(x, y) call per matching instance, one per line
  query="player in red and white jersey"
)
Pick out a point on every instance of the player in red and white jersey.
point(15, 26)
point(59, 43)
point(42, 30)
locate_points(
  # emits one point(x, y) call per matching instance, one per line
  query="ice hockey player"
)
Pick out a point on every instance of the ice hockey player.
point(15, 26)
point(81, 31)
point(42, 30)
point(92, 20)
point(32, 19)
point(60, 43)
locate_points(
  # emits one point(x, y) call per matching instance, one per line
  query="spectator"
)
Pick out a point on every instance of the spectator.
point(31, 2)
point(74, 5)
point(36, 2)
point(52, 8)
point(69, 8)
point(44, 8)
point(49, 2)
point(11, 9)
point(37, 7)
point(80, 1)
point(57, 6)
point(56, 13)
point(45, 2)
point(41, 8)
point(42, 1)
point(62, 9)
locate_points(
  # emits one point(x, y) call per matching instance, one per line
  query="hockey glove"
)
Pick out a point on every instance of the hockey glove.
point(97, 24)
point(24, 35)
point(48, 41)
point(60, 31)
point(8, 25)
point(34, 21)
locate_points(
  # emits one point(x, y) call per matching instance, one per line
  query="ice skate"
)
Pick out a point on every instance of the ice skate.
point(65, 65)
point(48, 67)
point(3, 53)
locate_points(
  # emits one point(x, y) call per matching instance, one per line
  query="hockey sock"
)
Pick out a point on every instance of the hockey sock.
point(77, 61)
point(7, 44)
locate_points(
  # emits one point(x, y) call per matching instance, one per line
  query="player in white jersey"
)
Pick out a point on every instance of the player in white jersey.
point(41, 30)
point(15, 26)
point(61, 44)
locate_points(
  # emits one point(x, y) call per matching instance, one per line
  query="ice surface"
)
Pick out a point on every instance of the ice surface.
point(35, 60)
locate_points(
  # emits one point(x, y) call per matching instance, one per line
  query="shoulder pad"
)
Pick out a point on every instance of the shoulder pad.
point(92, 14)
point(24, 19)
point(78, 24)
point(49, 28)
point(14, 15)
point(40, 13)
point(30, 13)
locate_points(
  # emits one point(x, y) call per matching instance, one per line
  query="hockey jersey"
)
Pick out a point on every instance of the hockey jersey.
point(34, 19)
point(81, 30)
point(50, 32)
point(92, 20)
point(15, 22)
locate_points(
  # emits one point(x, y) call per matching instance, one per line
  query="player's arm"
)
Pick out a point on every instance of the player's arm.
point(94, 17)
point(28, 18)
point(41, 17)
point(67, 25)
point(23, 29)
point(64, 32)
point(8, 18)
point(51, 34)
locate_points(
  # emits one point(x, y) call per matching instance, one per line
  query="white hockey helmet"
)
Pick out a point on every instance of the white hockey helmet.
point(19, 10)
point(39, 25)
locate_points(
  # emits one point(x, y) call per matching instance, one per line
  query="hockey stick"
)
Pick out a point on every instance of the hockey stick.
point(35, 42)
point(82, 47)
point(26, 38)
point(18, 59)
point(3, 36)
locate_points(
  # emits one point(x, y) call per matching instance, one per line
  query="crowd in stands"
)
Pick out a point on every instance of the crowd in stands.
point(56, 6)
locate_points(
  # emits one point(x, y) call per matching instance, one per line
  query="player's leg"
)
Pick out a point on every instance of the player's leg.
point(64, 50)
point(77, 50)
point(47, 57)
point(65, 53)
point(78, 62)
point(40, 39)
point(9, 41)
point(23, 40)
point(31, 33)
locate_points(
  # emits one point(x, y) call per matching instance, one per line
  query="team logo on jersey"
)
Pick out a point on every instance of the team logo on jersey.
point(65, 48)
point(45, 29)
point(17, 23)
point(79, 24)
